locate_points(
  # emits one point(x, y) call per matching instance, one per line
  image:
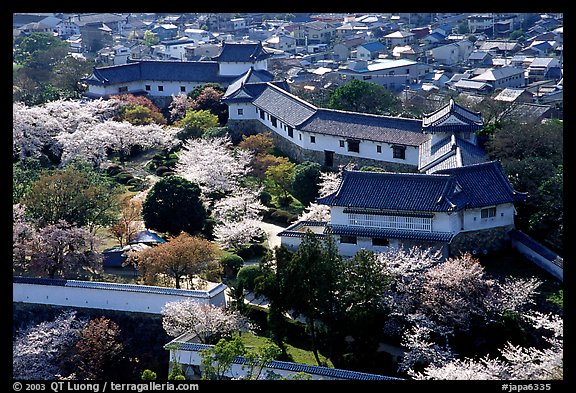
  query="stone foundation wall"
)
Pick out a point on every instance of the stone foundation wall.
point(493, 239)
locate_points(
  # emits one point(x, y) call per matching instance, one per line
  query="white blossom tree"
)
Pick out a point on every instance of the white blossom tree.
point(22, 233)
point(456, 294)
point(241, 203)
point(35, 127)
point(235, 234)
point(329, 183)
point(213, 164)
point(516, 293)
point(516, 362)
point(209, 323)
point(32, 130)
point(39, 351)
point(94, 142)
point(178, 107)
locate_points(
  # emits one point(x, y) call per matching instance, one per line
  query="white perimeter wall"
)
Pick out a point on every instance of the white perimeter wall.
point(117, 297)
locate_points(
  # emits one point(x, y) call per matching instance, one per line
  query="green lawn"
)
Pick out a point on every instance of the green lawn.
point(298, 355)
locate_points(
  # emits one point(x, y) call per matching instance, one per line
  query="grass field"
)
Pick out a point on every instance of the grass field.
point(298, 355)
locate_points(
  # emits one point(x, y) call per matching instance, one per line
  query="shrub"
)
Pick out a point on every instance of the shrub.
point(161, 170)
point(285, 201)
point(113, 170)
point(123, 177)
point(265, 197)
point(283, 217)
point(232, 263)
point(246, 276)
point(148, 375)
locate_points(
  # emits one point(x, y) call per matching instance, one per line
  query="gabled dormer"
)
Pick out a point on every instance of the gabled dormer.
point(452, 119)
point(237, 57)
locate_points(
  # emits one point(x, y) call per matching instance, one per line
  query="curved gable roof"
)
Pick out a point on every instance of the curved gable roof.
point(392, 191)
point(241, 52)
point(452, 117)
point(471, 186)
point(159, 70)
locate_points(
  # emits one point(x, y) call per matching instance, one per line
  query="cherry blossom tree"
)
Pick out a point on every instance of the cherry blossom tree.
point(329, 183)
point(95, 142)
point(81, 128)
point(456, 293)
point(242, 203)
point(40, 351)
point(179, 106)
point(35, 127)
point(207, 322)
point(213, 164)
point(62, 250)
point(98, 351)
point(23, 231)
point(232, 235)
point(515, 362)
point(32, 130)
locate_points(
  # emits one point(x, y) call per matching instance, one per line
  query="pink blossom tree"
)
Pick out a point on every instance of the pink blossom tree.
point(62, 250)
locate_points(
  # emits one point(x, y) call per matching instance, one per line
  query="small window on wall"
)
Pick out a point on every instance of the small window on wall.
point(378, 149)
point(148, 87)
point(312, 139)
point(488, 212)
point(240, 111)
point(291, 132)
point(348, 239)
point(380, 242)
point(341, 143)
point(274, 121)
point(183, 89)
point(261, 114)
point(399, 152)
point(354, 146)
point(160, 88)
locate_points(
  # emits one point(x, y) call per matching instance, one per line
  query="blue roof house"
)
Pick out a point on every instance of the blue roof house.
point(166, 78)
point(370, 50)
point(467, 208)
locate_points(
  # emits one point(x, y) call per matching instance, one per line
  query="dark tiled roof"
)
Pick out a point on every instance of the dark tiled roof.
point(242, 52)
point(331, 373)
point(159, 70)
point(147, 237)
point(365, 126)
point(391, 233)
point(449, 152)
point(471, 186)
point(251, 85)
point(484, 184)
point(392, 191)
point(439, 120)
point(285, 106)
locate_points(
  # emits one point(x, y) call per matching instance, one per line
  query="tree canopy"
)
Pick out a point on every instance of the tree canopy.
point(173, 205)
point(362, 96)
